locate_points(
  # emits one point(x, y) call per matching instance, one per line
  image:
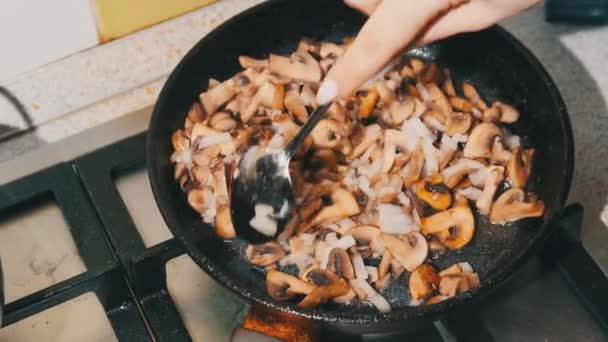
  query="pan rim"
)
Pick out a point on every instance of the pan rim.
point(346, 317)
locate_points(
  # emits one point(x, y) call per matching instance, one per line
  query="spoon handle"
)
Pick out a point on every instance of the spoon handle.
point(310, 124)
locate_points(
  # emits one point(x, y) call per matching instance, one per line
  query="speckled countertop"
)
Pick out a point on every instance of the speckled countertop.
point(103, 83)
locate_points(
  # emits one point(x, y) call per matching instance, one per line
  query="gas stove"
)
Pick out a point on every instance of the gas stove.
point(87, 257)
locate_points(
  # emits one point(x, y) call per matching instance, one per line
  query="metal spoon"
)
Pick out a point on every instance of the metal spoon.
point(262, 196)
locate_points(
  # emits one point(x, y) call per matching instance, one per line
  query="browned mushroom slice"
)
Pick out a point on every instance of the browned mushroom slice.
point(417, 65)
point(439, 100)
point(179, 141)
point(217, 96)
point(458, 123)
point(222, 122)
point(457, 224)
point(409, 252)
point(370, 134)
point(332, 287)
point(200, 130)
point(264, 254)
point(460, 104)
point(481, 140)
point(511, 206)
point(223, 223)
point(385, 264)
point(196, 113)
point(448, 85)
point(433, 192)
point(250, 62)
point(407, 72)
point(403, 110)
point(436, 299)
point(343, 205)
point(365, 234)
point(198, 200)
point(519, 166)
point(451, 286)
point(282, 286)
point(501, 112)
point(500, 155)
point(484, 203)
point(367, 102)
point(432, 74)
point(457, 269)
point(423, 281)
point(302, 67)
point(203, 176)
point(294, 104)
point(472, 95)
point(327, 133)
point(339, 263)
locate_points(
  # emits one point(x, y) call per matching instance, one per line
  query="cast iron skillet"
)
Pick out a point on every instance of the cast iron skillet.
point(493, 60)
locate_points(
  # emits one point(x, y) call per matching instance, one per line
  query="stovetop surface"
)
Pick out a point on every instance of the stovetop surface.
point(87, 256)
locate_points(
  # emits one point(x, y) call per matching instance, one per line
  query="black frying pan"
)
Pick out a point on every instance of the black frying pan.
point(493, 60)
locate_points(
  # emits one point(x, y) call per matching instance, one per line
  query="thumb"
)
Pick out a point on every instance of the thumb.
point(390, 29)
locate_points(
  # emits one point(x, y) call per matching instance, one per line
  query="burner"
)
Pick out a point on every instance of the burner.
point(126, 270)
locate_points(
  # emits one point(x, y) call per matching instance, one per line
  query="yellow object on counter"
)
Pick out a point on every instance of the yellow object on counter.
point(117, 18)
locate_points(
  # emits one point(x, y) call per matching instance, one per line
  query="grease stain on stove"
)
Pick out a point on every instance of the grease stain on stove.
point(34, 255)
point(209, 311)
point(80, 319)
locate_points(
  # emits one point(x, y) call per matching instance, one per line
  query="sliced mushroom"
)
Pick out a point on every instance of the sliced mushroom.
point(456, 269)
point(519, 167)
point(203, 176)
point(436, 299)
point(385, 264)
point(294, 104)
point(196, 113)
point(200, 130)
point(334, 287)
point(365, 234)
point(458, 123)
point(367, 102)
point(413, 169)
point(383, 282)
point(409, 252)
point(250, 62)
point(222, 122)
point(339, 263)
point(439, 100)
point(343, 205)
point(432, 74)
point(327, 133)
point(302, 67)
point(423, 281)
point(179, 141)
point(264, 254)
point(407, 72)
point(500, 155)
point(448, 86)
point(370, 134)
point(511, 206)
point(217, 96)
point(451, 286)
point(434, 192)
point(402, 110)
point(501, 112)
point(282, 286)
point(481, 140)
point(457, 225)
point(223, 223)
point(484, 203)
point(417, 65)
point(392, 139)
point(472, 95)
point(460, 104)
point(453, 174)
point(197, 200)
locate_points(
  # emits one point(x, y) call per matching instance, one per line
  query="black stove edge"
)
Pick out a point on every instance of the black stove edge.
point(584, 277)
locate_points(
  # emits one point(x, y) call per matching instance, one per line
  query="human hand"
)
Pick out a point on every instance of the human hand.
point(393, 25)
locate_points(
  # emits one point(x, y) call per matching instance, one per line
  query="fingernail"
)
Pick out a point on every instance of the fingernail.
point(327, 92)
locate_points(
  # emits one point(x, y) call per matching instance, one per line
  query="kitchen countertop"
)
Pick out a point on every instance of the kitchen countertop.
point(106, 82)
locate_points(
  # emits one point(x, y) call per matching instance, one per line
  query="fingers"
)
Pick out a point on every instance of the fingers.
point(474, 16)
point(392, 27)
point(367, 7)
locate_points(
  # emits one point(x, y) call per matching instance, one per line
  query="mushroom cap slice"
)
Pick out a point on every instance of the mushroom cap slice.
point(453, 285)
point(223, 223)
point(519, 167)
point(302, 68)
point(423, 281)
point(327, 133)
point(458, 123)
point(484, 202)
point(217, 96)
point(471, 93)
point(439, 100)
point(433, 192)
point(481, 140)
point(264, 254)
point(370, 134)
point(511, 206)
point(339, 263)
point(334, 287)
point(367, 101)
point(366, 234)
point(410, 252)
point(456, 226)
point(282, 286)
point(344, 204)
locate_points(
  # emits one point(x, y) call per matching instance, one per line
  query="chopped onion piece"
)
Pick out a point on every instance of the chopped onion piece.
point(214, 139)
point(393, 220)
